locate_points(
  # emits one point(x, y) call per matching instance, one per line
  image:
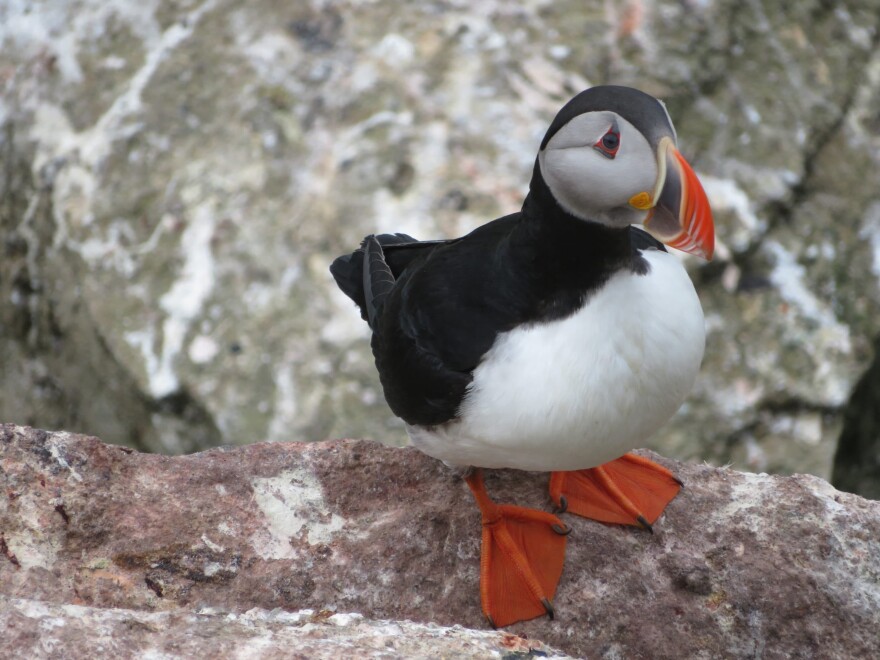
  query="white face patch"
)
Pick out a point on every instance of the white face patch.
point(589, 184)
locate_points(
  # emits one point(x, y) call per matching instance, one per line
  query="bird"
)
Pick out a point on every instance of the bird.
point(556, 339)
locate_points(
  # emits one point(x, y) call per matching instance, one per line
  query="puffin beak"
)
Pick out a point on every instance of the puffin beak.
point(681, 217)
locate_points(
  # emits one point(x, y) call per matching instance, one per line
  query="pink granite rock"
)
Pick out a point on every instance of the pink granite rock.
point(740, 564)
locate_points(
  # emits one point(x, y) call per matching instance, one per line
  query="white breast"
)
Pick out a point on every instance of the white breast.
point(579, 392)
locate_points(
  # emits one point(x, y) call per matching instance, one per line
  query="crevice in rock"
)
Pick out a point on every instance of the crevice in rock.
point(795, 405)
point(857, 461)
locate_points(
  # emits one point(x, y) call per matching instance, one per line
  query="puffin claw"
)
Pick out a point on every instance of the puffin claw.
point(549, 607)
point(630, 490)
point(562, 530)
point(521, 558)
point(563, 505)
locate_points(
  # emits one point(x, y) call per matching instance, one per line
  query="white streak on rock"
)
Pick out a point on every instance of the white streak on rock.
point(154, 654)
point(216, 547)
point(395, 50)
point(285, 404)
point(752, 114)
point(96, 143)
point(92, 145)
point(293, 504)
point(203, 349)
point(184, 300)
point(85, 151)
point(29, 28)
point(871, 232)
point(748, 498)
point(727, 195)
point(274, 616)
point(143, 340)
point(345, 619)
point(267, 53)
point(789, 276)
point(56, 454)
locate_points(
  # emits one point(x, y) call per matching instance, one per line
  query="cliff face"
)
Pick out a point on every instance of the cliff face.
point(154, 551)
point(176, 177)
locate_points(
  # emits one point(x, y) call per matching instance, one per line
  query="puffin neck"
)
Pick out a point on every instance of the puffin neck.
point(552, 229)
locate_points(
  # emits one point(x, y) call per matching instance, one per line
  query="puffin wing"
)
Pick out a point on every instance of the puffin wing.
point(439, 319)
point(418, 386)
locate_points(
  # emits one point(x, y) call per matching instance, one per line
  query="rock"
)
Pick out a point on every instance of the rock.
point(34, 629)
point(177, 177)
point(740, 565)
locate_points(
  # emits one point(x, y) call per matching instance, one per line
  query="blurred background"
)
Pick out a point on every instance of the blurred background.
point(177, 175)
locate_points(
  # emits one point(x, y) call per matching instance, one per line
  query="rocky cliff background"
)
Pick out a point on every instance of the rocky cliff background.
point(175, 177)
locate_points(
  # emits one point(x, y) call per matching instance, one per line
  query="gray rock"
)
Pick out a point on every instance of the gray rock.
point(740, 565)
point(176, 178)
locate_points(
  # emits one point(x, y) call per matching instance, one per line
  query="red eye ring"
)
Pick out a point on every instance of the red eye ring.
point(608, 144)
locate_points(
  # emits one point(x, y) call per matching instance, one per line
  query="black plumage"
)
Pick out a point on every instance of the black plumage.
point(451, 299)
point(643, 111)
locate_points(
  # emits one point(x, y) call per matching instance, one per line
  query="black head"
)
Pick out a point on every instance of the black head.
point(642, 110)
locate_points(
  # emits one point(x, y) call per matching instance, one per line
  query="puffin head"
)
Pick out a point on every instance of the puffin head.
point(610, 156)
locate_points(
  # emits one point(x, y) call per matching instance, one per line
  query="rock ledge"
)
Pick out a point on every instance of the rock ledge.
point(174, 554)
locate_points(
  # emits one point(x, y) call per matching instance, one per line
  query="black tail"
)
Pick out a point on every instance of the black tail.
point(377, 278)
point(353, 275)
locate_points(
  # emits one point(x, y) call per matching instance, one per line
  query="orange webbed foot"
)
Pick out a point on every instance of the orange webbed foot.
point(630, 490)
point(522, 554)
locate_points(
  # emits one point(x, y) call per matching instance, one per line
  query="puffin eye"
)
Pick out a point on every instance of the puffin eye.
point(609, 143)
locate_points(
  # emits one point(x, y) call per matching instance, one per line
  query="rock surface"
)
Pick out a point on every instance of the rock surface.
point(176, 177)
point(36, 629)
point(740, 565)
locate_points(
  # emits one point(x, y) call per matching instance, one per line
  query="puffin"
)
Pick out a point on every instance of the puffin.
point(556, 339)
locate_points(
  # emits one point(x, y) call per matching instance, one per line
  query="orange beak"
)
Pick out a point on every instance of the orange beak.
point(681, 217)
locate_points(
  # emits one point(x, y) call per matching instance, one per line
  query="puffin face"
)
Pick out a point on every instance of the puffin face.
point(595, 164)
point(610, 156)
